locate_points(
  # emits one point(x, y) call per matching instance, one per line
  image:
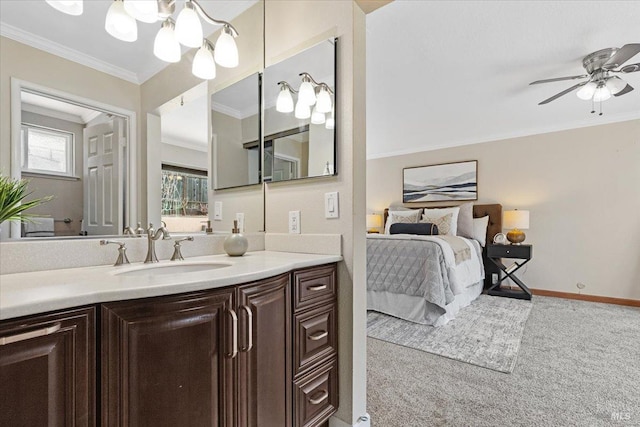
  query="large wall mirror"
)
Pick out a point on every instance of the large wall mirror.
point(299, 115)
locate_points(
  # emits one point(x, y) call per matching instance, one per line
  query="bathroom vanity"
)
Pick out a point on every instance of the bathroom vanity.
point(253, 343)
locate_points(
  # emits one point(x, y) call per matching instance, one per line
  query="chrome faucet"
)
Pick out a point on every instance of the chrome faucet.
point(177, 254)
point(122, 251)
point(152, 236)
point(138, 232)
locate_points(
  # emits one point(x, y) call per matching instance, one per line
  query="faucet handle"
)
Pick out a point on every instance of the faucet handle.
point(177, 254)
point(122, 251)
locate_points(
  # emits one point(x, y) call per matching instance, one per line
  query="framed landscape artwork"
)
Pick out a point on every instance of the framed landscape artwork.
point(443, 182)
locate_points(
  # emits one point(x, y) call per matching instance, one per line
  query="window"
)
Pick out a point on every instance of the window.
point(184, 192)
point(47, 151)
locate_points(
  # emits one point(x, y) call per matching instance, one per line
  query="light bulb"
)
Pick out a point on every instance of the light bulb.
point(317, 118)
point(602, 93)
point(70, 7)
point(166, 46)
point(188, 27)
point(303, 111)
point(331, 121)
point(142, 10)
point(284, 103)
point(204, 66)
point(307, 93)
point(587, 91)
point(226, 53)
point(324, 100)
point(120, 24)
point(615, 84)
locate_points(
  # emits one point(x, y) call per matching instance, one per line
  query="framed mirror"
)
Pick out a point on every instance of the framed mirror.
point(299, 115)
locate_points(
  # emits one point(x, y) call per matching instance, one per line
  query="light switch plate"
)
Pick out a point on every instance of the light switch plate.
point(217, 211)
point(240, 219)
point(294, 222)
point(331, 208)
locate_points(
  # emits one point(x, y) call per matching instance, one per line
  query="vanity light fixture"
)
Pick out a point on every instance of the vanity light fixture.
point(188, 27)
point(120, 24)
point(166, 45)
point(70, 7)
point(307, 98)
point(284, 103)
point(331, 121)
point(317, 118)
point(142, 10)
point(303, 111)
point(323, 103)
point(204, 66)
point(307, 93)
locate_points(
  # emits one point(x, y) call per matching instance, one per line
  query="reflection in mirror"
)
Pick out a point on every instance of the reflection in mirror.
point(235, 132)
point(78, 154)
point(299, 123)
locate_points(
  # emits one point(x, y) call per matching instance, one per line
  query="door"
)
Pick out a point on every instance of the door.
point(103, 187)
point(264, 361)
point(169, 361)
point(47, 366)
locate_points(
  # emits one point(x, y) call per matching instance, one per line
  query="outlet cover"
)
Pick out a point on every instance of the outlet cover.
point(240, 219)
point(217, 211)
point(294, 222)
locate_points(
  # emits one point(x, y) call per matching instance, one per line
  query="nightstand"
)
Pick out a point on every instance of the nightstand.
point(520, 252)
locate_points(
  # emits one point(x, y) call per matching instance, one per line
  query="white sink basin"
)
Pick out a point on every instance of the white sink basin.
point(173, 268)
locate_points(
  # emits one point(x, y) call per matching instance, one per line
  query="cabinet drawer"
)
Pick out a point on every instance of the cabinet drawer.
point(314, 336)
point(509, 251)
point(313, 285)
point(316, 396)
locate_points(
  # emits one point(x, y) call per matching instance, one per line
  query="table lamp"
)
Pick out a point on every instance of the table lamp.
point(515, 221)
point(374, 222)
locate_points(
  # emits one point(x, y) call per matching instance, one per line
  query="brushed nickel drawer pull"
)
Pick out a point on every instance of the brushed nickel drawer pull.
point(318, 336)
point(317, 287)
point(247, 310)
point(234, 334)
point(322, 395)
point(31, 334)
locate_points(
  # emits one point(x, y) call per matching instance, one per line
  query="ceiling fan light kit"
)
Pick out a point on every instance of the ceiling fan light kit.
point(602, 82)
point(122, 15)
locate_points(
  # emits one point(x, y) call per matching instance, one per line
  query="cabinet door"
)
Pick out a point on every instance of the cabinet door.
point(47, 366)
point(264, 363)
point(167, 361)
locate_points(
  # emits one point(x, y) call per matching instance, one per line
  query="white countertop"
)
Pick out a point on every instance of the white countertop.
point(23, 294)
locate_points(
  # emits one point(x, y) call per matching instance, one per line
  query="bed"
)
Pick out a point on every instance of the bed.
point(422, 278)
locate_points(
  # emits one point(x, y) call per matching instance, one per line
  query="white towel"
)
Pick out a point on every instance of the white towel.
point(40, 227)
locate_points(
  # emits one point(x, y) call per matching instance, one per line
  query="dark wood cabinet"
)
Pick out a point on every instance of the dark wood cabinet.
point(47, 366)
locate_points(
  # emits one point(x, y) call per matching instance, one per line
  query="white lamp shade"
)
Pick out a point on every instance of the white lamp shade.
point(284, 103)
point(330, 123)
point(587, 91)
point(616, 84)
point(324, 101)
point(70, 7)
point(515, 219)
point(374, 221)
point(189, 28)
point(303, 111)
point(142, 10)
point(317, 118)
point(226, 53)
point(120, 24)
point(601, 94)
point(166, 46)
point(204, 66)
point(307, 94)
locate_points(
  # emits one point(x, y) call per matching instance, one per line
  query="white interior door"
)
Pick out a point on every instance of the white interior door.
point(103, 187)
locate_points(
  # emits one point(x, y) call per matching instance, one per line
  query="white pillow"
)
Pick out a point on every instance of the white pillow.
point(414, 214)
point(439, 212)
point(480, 230)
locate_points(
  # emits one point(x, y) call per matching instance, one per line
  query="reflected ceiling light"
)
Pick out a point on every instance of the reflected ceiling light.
point(307, 98)
point(120, 24)
point(204, 66)
point(317, 118)
point(284, 103)
point(142, 10)
point(166, 46)
point(70, 7)
point(323, 103)
point(303, 111)
point(307, 92)
point(226, 53)
point(331, 121)
point(188, 27)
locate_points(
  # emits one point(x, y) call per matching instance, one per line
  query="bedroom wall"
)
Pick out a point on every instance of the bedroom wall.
point(581, 187)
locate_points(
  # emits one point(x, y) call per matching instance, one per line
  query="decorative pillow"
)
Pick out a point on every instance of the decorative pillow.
point(465, 221)
point(422, 229)
point(444, 223)
point(480, 230)
point(438, 212)
point(412, 215)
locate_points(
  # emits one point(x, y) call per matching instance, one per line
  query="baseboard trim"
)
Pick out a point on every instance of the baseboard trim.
point(583, 297)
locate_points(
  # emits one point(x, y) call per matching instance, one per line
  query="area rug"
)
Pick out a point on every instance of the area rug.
point(487, 333)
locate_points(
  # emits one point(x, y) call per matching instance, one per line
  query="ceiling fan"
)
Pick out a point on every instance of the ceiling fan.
point(600, 67)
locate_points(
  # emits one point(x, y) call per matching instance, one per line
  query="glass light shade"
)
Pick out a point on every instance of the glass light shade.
point(615, 85)
point(587, 91)
point(189, 28)
point(323, 101)
point(515, 219)
point(70, 7)
point(226, 53)
point(374, 221)
point(142, 10)
point(166, 46)
point(307, 93)
point(601, 94)
point(303, 111)
point(330, 123)
point(284, 103)
point(317, 118)
point(120, 24)
point(204, 66)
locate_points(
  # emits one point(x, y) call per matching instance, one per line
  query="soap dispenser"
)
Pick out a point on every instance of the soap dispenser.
point(236, 244)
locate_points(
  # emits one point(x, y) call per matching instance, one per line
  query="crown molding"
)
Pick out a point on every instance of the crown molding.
point(44, 111)
point(62, 51)
point(220, 108)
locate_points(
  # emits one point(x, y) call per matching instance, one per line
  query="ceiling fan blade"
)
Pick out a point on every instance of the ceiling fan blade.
point(623, 54)
point(631, 68)
point(564, 92)
point(628, 88)
point(558, 79)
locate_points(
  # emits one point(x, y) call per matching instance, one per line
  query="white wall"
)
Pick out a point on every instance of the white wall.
point(581, 186)
point(184, 157)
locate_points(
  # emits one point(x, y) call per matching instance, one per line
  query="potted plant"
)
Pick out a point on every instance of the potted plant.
point(12, 204)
